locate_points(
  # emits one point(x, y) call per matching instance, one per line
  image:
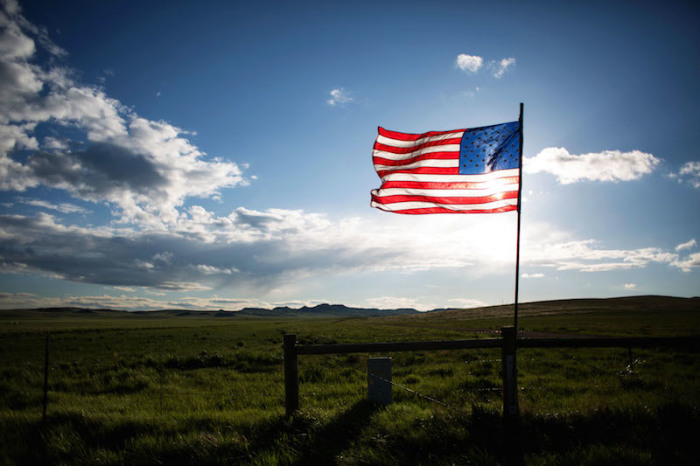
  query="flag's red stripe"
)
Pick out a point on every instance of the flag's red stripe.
point(502, 182)
point(433, 155)
point(444, 200)
point(423, 171)
point(412, 137)
point(442, 210)
point(406, 150)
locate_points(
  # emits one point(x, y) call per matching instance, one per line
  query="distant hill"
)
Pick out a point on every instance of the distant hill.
point(322, 310)
point(630, 305)
point(565, 306)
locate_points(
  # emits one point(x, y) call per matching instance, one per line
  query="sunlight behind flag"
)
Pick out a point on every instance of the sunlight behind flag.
point(472, 170)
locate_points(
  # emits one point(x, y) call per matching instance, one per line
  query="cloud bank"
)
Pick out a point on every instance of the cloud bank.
point(143, 168)
point(610, 165)
point(256, 251)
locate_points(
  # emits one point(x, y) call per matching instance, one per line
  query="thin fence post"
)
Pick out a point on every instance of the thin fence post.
point(46, 377)
point(629, 353)
point(510, 374)
point(291, 375)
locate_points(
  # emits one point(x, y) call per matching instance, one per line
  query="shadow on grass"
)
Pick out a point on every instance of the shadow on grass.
point(665, 435)
point(325, 444)
point(63, 438)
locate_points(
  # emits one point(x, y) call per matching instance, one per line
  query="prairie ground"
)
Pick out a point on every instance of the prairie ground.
point(198, 389)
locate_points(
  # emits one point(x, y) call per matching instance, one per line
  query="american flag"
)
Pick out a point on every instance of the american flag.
point(473, 170)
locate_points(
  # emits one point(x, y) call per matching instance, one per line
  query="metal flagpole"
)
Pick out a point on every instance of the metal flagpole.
point(517, 240)
point(510, 334)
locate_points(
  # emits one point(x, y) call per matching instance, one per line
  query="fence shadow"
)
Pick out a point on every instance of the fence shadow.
point(665, 435)
point(337, 435)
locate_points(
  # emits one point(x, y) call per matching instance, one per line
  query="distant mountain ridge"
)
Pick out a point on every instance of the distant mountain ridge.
point(321, 310)
point(325, 310)
point(566, 306)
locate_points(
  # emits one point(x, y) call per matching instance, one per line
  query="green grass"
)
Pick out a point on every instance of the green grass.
point(154, 389)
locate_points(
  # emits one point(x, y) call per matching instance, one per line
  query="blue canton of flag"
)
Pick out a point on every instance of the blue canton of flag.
point(489, 148)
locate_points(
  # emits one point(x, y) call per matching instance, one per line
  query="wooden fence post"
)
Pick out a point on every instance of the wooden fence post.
point(291, 375)
point(510, 374)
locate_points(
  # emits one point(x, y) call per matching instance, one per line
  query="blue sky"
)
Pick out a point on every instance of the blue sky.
point(218, 154)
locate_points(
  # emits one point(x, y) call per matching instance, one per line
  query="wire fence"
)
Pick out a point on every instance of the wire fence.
point(594, 370)
point(156, 382)
point(121, 380)
point(553, 374)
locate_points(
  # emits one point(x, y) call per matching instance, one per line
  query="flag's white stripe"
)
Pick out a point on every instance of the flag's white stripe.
point(426, 150)
point(450, 178)
point(443, 163)
point(397, 206)
point(399, 143)
point(445, 192)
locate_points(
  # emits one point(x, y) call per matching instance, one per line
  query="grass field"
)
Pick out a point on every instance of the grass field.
point(160, 389)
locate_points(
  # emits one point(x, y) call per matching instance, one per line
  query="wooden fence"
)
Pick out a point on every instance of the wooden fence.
point(508, 344)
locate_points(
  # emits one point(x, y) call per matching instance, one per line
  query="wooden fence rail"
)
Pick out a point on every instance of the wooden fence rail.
point(610, 342)
point(508, 344)
point(392, 347)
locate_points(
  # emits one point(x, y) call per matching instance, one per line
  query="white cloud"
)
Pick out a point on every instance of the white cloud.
point(211, 270)
point(182, 286)
point(52, 143)
point(465, 303)
point(127, 289)
point(586, 256)
point(470, 63)
point(145, 169)
point(689, 173)
point(63, 207)
point(122, 302)
point(689, 263)
point(602, 166)
point(401, 302)
point(499, 68)
point(630, 286)
point(545, 246)
point(473, 63)
point(394, 302)
point(532, 275)
point(690, 168)
point(339, 97)
point(687, 245)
